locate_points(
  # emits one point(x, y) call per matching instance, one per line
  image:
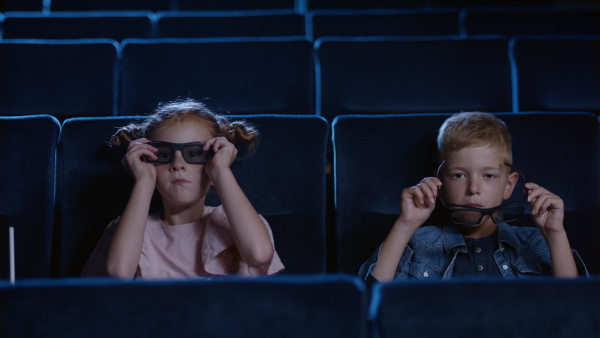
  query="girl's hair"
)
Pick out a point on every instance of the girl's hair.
point(474, 129)
point(167, 114)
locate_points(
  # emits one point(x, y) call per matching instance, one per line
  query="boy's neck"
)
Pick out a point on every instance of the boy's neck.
point(483, 230)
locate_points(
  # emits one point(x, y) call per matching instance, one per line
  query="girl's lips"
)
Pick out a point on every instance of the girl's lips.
point(180, 181)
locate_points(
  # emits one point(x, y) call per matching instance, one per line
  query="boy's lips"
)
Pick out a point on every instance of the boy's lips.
point(180, 181)
point(475, 205)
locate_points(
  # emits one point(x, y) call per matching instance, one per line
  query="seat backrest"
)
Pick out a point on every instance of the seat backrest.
point(236, 24)
point(539, 21)
point(247, 76)
point(279, 306)
point(21, 5)
point(544, 307)
point(363, 4)
point(61, 78)
point(27, 200)
point(78, 25)
point(110, 5)
point(235, 5)
point(382, 23)
point(284, 180)
point(557, 74)
point(558, 151)
point(411, 75)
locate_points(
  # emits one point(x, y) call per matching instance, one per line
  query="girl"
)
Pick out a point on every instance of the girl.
point(180, 151)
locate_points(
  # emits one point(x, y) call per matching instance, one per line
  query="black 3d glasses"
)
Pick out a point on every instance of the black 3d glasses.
point(192, 152)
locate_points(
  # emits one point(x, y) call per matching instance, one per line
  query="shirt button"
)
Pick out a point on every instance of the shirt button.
point(505, 267)
point(480, 267)
point(478, 249)
point(425, 274)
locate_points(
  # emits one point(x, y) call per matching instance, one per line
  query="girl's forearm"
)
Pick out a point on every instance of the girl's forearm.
point(125, 247)
point(249, 231)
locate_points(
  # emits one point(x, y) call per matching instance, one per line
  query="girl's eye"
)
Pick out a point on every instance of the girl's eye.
point(458, 175)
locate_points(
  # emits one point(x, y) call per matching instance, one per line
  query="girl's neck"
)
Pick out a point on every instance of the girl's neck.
point(174, 215)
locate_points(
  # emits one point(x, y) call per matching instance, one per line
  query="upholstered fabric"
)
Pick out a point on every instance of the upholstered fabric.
point(241, 76)
point(556, 73)
point(284, 180)
point(411, 75)
point(63, 78)
point(280, 306)
point(376, 157)
point(78, 25)
point(27, 187)
point(539, 307)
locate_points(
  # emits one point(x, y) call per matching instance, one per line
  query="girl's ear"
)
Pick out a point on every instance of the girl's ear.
point(510, 184)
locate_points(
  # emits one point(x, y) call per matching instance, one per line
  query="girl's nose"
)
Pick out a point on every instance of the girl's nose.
point(178, 163)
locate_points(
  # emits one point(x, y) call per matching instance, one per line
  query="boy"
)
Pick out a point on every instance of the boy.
point(472, 181)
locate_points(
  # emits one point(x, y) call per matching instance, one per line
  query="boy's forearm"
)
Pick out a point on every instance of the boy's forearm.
point(391, 251)
point(563, 263)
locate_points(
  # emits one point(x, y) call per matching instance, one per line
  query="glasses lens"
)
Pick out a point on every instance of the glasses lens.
point(164, 154)
point(465, 217)
point(194, 154)
point(508, 214)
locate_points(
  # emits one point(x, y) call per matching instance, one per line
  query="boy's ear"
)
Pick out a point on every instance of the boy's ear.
point(510, 184)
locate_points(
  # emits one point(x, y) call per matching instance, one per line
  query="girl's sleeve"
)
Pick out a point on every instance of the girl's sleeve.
point(96, 263)
point(220, 255)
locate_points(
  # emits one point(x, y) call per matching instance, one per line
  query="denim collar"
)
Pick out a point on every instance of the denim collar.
point(454, 240)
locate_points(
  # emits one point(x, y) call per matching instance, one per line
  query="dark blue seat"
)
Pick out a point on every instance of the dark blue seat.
point(110, 5)
point(556, 150)
point(290, 306)
point(284, 180)
point(234, 5)
point(363, 4)
point(27, 200)
point(241, 76)
point(62, 78)
point(528, 21)
point(322, 23)
point(21, 5)
point(78, 25)
point(557, 74)
point(411, 75)
point(542, 307)
point(206, 24)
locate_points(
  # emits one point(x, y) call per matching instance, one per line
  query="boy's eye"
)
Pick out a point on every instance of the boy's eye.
point(458, 175)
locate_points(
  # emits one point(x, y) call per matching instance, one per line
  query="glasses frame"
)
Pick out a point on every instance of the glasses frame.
point(181, 147)
point(483, 211)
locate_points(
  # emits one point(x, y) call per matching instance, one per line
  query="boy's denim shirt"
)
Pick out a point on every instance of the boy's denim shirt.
point(432, 251)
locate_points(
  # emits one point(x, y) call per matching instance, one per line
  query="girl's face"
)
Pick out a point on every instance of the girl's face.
point(179, 183)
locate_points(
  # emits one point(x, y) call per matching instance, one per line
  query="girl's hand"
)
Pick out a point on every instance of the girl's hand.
point(133, 163)
point(547, 209)
point(225, 153)
point(418, 202)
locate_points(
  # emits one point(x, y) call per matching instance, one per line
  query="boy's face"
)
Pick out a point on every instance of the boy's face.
point(477, 177)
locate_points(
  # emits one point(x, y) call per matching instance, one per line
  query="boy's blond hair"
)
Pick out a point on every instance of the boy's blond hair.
point(474, 129)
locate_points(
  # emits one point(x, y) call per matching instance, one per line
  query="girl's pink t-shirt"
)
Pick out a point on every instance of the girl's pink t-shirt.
point(199, 249)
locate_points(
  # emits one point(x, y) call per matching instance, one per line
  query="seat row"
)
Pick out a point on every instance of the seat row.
point(62, 183)
point(299, 5)
point(333, 76)
point(313, 25)
point(300, 306)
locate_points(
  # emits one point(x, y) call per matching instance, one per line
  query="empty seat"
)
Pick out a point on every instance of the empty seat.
point(78, 25)
point(511, 22)
point(374, 76)
point(559, 151)
point(291, 306)
point(229, 24)
point(557, 74)
point(27, 200)
point(21, 5)
point(284, 180)
point(488, 308)
point(362, 4)
point(110, 5)
point(234, 5)
point(61, 78)
point(247, 76)
point(382, 23)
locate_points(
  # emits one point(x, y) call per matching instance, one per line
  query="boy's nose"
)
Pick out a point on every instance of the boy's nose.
point(473, 187)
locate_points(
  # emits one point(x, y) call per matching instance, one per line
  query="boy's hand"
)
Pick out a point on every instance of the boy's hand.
point(418, 202)
point(547, 209)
